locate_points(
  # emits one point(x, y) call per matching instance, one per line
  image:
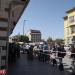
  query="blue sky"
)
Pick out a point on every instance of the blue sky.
point(46, 16)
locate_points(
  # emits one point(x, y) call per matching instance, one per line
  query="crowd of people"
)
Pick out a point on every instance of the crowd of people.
point(13, 52)
point(44, 53)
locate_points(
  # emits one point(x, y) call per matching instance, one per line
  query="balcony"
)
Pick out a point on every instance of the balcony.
point(72, 24)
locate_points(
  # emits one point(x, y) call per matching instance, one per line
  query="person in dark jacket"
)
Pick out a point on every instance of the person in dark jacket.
point(17, 48)
point(61, 67)
point(61, 54)
point(72, 51)
point(30, 54)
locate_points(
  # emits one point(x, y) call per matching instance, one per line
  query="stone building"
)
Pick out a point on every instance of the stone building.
point(10, 12)
point(34, 35)
point(69, 27)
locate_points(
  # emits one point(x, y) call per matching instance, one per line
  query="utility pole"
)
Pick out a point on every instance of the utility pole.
point(23, 26)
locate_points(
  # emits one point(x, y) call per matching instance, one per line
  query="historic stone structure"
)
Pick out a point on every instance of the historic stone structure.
point(10, 12)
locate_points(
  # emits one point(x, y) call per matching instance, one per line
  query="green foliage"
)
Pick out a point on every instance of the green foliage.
point(59, 40)
point(49, 39)
point(24, 38)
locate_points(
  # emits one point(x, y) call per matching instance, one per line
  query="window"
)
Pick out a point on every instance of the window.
point(71, 19)
point(73, 39)
point(72, 29)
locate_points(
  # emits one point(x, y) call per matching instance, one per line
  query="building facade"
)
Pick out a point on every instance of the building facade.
point(34, 36)
point(69, 27)
point(10, 12)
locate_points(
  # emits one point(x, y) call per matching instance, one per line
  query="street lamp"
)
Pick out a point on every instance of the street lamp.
point(23, 26)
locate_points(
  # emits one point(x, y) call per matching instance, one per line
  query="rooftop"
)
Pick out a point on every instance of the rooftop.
point(35, 31)
point(70, 10)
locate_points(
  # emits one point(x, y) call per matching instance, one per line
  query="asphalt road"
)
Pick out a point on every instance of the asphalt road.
point(23, 66)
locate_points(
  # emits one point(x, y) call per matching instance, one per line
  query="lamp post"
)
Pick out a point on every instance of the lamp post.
point(23, 26)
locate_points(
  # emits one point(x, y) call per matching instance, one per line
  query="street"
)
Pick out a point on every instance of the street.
point(23, 66)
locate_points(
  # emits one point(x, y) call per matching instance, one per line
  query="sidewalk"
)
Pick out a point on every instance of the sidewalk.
point(26, 67)
point(67, 63)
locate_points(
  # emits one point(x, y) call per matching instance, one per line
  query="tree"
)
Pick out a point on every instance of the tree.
point(16, 38)
point(24, 38)
point(49, 40)
point(59, 41)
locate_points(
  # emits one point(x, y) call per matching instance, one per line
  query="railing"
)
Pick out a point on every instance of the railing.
point(50, 52)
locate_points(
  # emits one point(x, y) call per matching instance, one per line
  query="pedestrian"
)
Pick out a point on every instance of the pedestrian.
point(35, 50)
point(24, 49)
point(17, 48)
point(27, 48)
point(41, 56)
point(45, 52)
point(53, 59)
point(61, 67)
point(61, 54)
point(46, 56)
point(30, 54)
point(73, 59)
